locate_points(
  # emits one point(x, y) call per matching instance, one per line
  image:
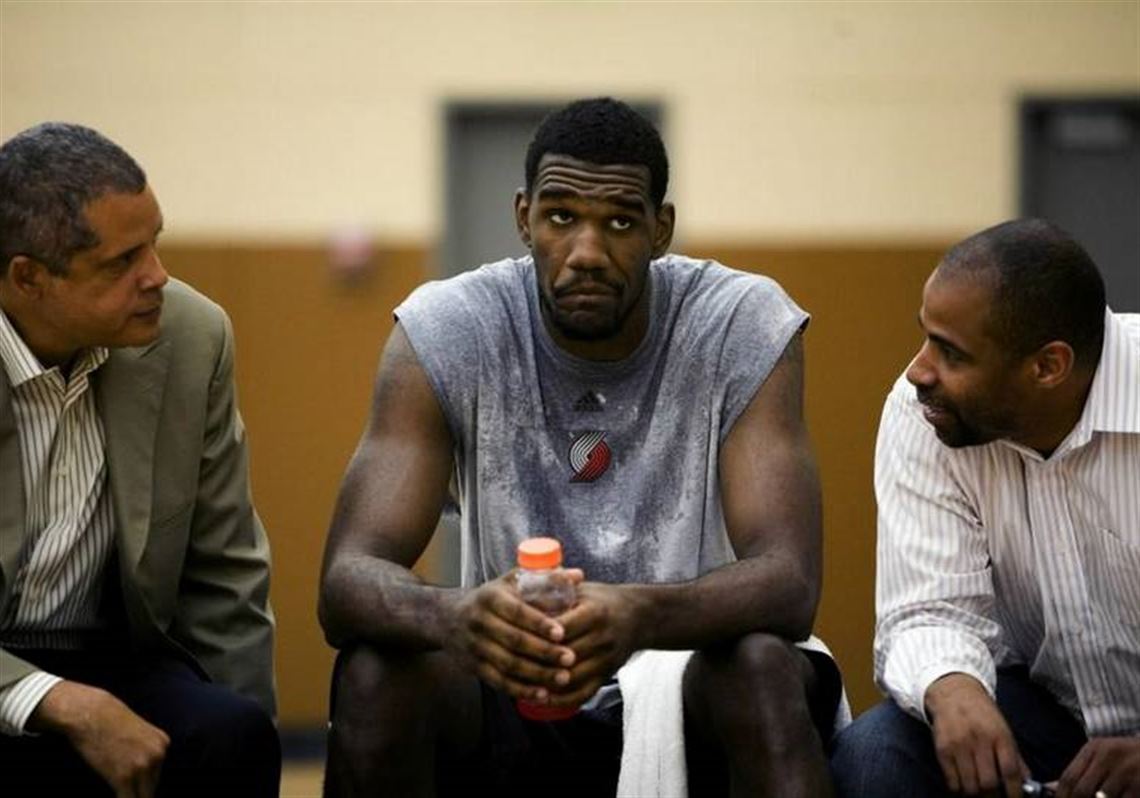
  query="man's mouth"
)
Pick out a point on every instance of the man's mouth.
point(592, 289)
point(932, 408)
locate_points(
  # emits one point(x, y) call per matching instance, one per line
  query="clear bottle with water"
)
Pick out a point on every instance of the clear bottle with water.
point(543, 583)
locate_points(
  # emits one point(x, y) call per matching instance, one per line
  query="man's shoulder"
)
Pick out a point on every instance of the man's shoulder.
point(711, 289)
point(708, 277)
point(194, 330)
point(1130, 323)
point(185, 309)
point(479, 295)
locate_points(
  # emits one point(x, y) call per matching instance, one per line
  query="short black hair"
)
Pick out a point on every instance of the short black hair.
point(48, 174)
point(1045, 287)
point(603, 131)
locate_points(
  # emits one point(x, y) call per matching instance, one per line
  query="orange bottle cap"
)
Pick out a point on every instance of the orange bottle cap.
point(540, 553)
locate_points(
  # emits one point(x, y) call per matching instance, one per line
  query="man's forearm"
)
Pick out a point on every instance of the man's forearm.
point(376, 601)
point(758, 594)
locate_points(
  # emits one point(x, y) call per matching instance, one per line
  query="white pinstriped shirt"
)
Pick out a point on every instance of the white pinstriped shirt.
point(69, 529)
point(991, 555)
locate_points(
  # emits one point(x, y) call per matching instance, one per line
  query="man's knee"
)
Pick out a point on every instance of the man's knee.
point(245, 728)
point(760, 666)
point(754, 687)
point(366, 677)
point(229, 743)
point(406, 689)
point(389, 711)
point(885, 752)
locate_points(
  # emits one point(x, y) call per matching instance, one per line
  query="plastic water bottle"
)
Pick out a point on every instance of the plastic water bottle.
point(543, 583)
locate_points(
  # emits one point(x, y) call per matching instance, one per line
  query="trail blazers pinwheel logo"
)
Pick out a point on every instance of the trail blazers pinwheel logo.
point(589, 456)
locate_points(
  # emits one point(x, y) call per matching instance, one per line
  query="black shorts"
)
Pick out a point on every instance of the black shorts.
point(581, 756)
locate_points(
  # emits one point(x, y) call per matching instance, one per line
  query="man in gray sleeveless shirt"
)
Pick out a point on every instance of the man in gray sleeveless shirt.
point(646, 410)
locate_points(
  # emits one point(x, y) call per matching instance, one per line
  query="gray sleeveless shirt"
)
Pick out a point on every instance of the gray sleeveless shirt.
point(618, 460)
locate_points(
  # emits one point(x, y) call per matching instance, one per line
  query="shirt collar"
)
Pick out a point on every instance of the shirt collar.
point(1113, 403)
point(22, 366)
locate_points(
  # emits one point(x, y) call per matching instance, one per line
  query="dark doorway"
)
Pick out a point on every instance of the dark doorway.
point(1080, 168)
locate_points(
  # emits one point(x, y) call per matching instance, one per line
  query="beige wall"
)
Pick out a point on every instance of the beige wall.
point(786, 120)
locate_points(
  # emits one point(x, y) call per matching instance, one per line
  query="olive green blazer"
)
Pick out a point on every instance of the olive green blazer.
point(193, 556)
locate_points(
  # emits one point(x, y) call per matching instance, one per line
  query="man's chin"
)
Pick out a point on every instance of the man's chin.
point(958, 437)
point(579, 329)
point(139, 334)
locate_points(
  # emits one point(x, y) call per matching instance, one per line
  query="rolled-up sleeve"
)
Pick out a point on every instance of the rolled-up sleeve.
point(934, 590)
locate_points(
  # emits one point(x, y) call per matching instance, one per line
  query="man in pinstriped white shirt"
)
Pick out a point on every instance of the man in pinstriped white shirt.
point(133, 569)
point(1008, 479)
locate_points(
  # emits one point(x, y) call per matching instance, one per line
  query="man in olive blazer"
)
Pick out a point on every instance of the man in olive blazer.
point(192, 555)
point(175, 680)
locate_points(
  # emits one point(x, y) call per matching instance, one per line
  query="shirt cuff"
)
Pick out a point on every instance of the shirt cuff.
point(920, 656)
point(19, 700)
point(930, 675)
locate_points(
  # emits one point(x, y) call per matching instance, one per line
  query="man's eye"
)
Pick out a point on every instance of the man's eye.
point(560, 217)
point(621, 223)
point(950, 355)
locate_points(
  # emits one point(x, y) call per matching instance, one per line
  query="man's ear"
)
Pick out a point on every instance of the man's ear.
point(1053, 363)
point(27, 275)
point(663, 233)
point(522, 216)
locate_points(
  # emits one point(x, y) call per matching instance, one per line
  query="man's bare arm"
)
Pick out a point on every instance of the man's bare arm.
point(388, 507)
point(770, 494)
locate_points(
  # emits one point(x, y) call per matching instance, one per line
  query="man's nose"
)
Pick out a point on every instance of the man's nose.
point(588, 251)
point(920, 372)
point(155, 274)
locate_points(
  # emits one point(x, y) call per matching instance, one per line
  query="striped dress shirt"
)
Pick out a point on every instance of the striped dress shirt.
point(992, 555)
point(69, 529)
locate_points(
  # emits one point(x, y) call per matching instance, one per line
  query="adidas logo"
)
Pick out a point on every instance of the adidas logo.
point(590, 402)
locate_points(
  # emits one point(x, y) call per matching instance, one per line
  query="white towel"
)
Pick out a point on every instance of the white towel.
point(653, 723)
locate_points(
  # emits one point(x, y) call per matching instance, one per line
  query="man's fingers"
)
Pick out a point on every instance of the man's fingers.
point(582, 618)
point(146, 782)
point(1012, 770)
point(1071, 778)
point(512, 687)
point(507, 606)
point(967, 771)
point(986, 770)
point(576, 696)
point(1115, 785)
point(523, 642)
point(518, 668)
point(950, 771)
point(588, 668)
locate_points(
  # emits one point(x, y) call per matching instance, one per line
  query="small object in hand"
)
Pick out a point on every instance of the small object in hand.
point(1036, 788)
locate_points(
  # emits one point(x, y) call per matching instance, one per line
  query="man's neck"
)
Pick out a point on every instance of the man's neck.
point(25, 325)
point(1057, 418)
point(612, 348)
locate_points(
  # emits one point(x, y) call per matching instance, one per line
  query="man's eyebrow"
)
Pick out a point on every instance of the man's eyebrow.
point(623, 200)
point(940, 339)
point(947, 343)
point(129, 250)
